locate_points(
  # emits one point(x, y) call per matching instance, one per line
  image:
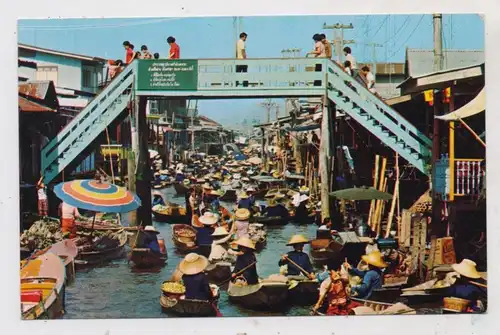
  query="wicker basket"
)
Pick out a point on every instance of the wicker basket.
point(455, 304)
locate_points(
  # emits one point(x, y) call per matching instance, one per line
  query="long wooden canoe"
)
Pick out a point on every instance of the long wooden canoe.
point(218, 272)
point(67, 251)
point(229, 195)
point(265, 295)
point(184, 237)
point(180, 188)
point(189, 307)
point(302, 291)
point(146, 258)
point(173, 214)
point(42, 287)
point(95, 256)
point(271, 220)
point(325, 250)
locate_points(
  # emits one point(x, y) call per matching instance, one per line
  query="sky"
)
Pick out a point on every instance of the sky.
point(215, 37)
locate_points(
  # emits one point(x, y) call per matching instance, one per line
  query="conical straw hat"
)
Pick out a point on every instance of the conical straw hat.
point(209, 218)
point(297, 239)
point(220, 231)
point(242, 214)
point(467, 268)
point(245, 242)
point(374, 258)
point(193, 264)
point(243, 195)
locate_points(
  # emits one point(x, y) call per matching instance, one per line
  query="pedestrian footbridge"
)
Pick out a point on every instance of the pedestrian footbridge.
point(218, 79)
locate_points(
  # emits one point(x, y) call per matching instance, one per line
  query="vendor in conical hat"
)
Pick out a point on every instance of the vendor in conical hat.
point(469, 286)
point(246, 259)
point(194, 279)
point(179, 176)
point(372, 279)
point(150, 239)
point(275, 209)
point(158, 198)
point(241, 223)
point(245, 201)
point(218, 253)
point(298, 256)
point(204, 238)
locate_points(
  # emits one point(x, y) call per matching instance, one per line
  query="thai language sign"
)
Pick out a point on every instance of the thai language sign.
point(176, 74)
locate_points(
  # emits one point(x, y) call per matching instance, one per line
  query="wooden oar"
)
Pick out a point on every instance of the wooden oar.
point(298, 266)
point(238, 273)
point(478, 284)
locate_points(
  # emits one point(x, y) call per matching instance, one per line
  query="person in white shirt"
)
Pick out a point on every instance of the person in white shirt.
point(349, 57)
point(68, 217)
point(241, 53)
point(369, 78)
point(43, 202)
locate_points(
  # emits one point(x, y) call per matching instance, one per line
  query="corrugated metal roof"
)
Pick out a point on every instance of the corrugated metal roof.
point(26, 105)
point(61, 53)
point(421, 61)
point(35, 89)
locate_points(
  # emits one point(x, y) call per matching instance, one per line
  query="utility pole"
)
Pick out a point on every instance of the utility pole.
point(268, 105)
point(374, 58)
point(436, 146)
point(438, 42)
point(338, 39)
point(277, 111)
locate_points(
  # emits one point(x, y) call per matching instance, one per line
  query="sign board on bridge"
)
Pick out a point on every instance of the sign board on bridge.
point(175, 74)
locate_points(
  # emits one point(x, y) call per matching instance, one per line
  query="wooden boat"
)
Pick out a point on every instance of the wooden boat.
point(189, 307)
point(180, 188)
point(67, 251)
point(382, 307)
point(93, 256)
point(229, 195)
point(271, 220)
point(266, 295)
point(325, 250)
point(173, 213)
point(184, 237)
point(146, 258)
point(42, 287)
point(218, 272)
point(302, 290)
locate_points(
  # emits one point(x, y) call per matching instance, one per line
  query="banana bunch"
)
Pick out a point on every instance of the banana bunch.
point(173, 287)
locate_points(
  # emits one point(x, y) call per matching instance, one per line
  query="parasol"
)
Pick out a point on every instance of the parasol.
point(97, 196)
point(361, 193)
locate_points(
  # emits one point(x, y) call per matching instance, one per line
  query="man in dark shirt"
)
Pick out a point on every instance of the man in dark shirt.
point(246, 260)
point(194, 279)
point(297, 256)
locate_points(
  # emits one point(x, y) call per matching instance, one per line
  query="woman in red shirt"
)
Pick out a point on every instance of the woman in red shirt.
point(129, 52)
point(175, 51)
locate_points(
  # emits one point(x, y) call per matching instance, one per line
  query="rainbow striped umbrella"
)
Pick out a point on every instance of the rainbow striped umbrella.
point(96, 196)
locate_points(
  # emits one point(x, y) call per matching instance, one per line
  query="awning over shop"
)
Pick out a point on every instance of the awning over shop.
point(476, 106)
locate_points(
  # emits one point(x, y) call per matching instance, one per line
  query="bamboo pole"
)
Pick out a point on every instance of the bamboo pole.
point(380, 188)
point(394, 199)
point(375, 180)
point(382, 209)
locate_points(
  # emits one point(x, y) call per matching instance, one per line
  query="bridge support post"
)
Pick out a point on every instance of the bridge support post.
point(324, 159)
point(144, 175)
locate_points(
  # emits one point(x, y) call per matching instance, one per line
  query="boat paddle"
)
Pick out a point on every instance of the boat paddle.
point(298, 267)
point(237, 273)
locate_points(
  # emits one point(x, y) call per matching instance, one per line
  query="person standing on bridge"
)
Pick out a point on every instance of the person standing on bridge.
point(241, 53)
point(175, 50)
point(129, 52)
point(328, 46)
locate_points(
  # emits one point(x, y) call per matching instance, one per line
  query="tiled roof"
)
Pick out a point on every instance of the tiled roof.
point(26, 105)
point(420, 61)
point(40, 91)
point(61, 53)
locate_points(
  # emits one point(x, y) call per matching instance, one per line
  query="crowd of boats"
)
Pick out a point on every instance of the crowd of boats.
point(222, 244)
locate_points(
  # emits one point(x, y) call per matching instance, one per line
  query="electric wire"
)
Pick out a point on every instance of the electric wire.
point(93, 26)
point(411, 34)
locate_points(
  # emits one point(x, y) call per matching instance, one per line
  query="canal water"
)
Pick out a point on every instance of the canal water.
point(116, 290)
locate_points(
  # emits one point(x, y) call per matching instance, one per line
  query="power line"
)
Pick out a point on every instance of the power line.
point(400, 28)
point(93, 26)
point(411, 34)
point(380, 27)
